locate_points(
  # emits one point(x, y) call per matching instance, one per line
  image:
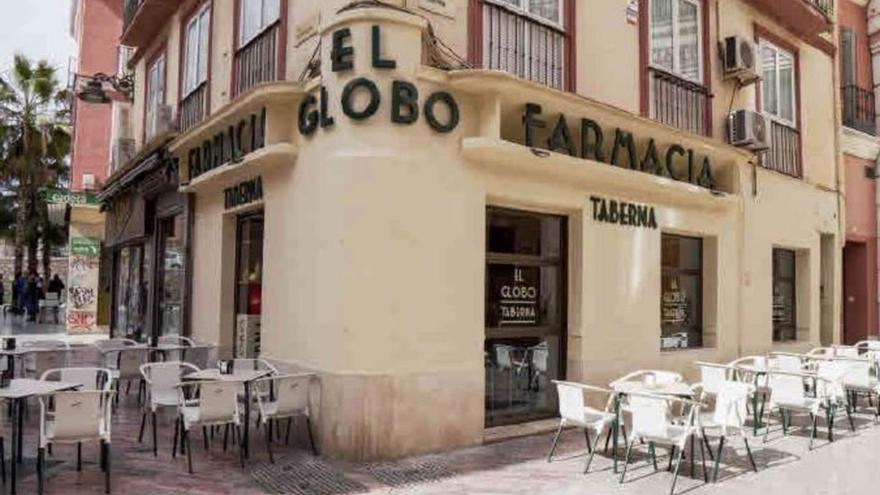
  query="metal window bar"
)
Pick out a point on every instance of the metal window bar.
point(193, 107)
point(129, 9)
point(826, 7)
point(784, 153)
point(859, 112)
point(678, 102)
point(257, 61)
point(523, 46)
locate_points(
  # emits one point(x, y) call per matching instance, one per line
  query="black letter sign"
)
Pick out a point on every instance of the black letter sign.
point(530, 123)
point(378, 62)
point(404, 95)
point(442, 96)
point(308, 117)
point(341, 54)
point(348, 96)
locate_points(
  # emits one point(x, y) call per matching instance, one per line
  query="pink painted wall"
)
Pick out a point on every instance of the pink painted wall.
point(97, 35)
point(860, 311)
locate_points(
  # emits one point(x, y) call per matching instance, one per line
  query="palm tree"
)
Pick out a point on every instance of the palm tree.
point(34, 143)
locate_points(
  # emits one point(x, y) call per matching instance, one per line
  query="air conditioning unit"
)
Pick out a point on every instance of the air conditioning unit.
point(162, 122)
point(749, 130)
point(740, 59)
point(123, 152)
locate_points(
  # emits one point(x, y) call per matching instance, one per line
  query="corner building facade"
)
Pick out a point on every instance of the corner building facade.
point(440, 239)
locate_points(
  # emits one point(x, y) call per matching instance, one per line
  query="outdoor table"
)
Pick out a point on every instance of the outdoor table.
point(678, 389)
point(18, 391)
point(22, 351)
point(243, 376)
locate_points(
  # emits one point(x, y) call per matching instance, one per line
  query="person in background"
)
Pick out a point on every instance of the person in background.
point(32, 297)
point(55, 285)
point(18, 285)
point(2, 291)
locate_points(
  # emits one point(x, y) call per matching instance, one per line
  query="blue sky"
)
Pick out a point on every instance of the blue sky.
point(38, 29)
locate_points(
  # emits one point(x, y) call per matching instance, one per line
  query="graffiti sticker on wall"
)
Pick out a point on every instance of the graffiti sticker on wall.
point(82, 289)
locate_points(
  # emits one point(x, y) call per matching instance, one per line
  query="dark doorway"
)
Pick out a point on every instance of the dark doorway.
point(525, 314)
point(855, 292)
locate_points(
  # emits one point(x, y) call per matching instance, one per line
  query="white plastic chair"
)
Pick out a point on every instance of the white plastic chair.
point(831, 389)
point(729, 416)
point(162, 380)
point(217, 405)
point(788, 394)
point(51, 304)
point(89, 379)
point(127, 368)
point(861, 380)
point(652, 422)
point(174, 340)
point(573, 410)
point(713, 377)
point(75, 418)
point(284, 397)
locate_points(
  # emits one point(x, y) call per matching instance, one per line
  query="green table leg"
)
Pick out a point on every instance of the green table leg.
point(615, 428)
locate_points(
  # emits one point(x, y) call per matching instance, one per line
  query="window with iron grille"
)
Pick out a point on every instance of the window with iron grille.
point(779, 105)
point(193, 107)
point(526, 38)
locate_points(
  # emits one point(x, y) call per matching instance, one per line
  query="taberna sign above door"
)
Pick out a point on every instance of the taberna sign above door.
point(439, 110)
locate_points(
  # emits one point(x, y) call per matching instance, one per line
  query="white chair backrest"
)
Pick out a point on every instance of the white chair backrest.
point(78, 415)
point(786, 388)
point(846, 351)
point(662, 378)
point(218, 401)
point(540, 357)
point(859, 375)
point(712, 378)
point(175, 340)
point(790, 364)
point(831, 374)
point(571, 402)
point(730, 405)
point(129, 362)
point(200, 356)
point(90, 379)
point(163, 378)
point(292, 393)
point(503, 356)
point(650, 416)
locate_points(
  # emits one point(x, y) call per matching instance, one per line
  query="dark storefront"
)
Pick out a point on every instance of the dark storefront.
point(148, 237)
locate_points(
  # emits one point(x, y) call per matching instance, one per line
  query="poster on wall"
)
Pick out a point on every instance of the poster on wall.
point(82, 285)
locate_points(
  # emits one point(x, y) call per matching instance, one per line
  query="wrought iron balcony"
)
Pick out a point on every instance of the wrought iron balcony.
point(784, 155)
point(679, 102)
point(523, 46)
point(257, 61)
point(805, 18)
point(859, 112)
point(142, 20)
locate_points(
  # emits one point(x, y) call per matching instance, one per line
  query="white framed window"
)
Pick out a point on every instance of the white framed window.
point(778, 93)
point(155, 92)
point(546, 11)
point(195, 70)
point(255, 16)
point(676, 37)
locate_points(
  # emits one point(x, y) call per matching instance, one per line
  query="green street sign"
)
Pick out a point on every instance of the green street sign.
point(60, 196)
point(85, 246)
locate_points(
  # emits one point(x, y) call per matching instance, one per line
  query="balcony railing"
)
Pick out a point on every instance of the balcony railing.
point(193, 107)
point(257, 61)
point(859, 112)
point(679, 102)
point(784, 155)
point(523, 46)
point(824, 6)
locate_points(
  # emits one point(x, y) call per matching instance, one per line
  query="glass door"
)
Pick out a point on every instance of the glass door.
point(171, 280)
point(248, 285)
point(525, 314)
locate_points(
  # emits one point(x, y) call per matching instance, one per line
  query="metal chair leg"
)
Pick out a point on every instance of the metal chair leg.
point(3, 459)
point(749, 452)
point(703, 462)
point(592, 452)
point(174, 439)
point(189, 461)
point(671, 457)
point(311, 436)
point(629, 446)
point(705, 440)
point(155, 436)
point(225, 437)
point(555, 442)
point(79, 454)
point(205, 437)
point(107, 470)
point(287, 437)
point(815, 418)
point(237, 431)
point(677, 469)
point(143, 424)
point(269, 442)
point(41, 457)
point(653, 453)
point(718, 460)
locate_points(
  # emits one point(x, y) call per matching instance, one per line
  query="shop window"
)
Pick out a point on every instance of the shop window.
point(525, 314)
point(681, 301)
point(784, 295)
point(249, 285)
point(172, 278)
point(131, 292)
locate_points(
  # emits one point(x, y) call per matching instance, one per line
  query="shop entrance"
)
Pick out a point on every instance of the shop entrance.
point(525, 314)
point(855, 292)
point(131, 291)
point(248, 284)
point(171, 280)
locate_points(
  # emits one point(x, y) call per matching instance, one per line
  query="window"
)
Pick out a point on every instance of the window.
point(681, 300)
point(778, 83)
point(155, 95)
point(676, 38)
point(784, 295)
point(526, 38)
point(524, 314)
point(248, 284)
point(255, 16)
point(171, 280)
point(195, 70)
